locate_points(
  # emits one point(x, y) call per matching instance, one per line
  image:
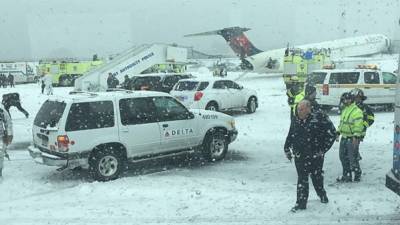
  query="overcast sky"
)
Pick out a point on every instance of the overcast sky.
point(34, 29)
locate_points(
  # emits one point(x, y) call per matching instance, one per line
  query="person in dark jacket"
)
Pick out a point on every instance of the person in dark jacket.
point(11, 80)
point(310, 136)
point(110, 81)
point(12, 99)
point(126, 82)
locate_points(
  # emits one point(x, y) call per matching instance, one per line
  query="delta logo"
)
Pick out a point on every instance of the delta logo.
point(178, 132)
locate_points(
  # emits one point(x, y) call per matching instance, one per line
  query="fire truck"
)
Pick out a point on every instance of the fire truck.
point(299, 63)
point(65, 72)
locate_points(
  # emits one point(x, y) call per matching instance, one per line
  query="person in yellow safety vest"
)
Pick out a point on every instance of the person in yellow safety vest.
point(351, 128)
point(162, 68)
point(295, 94)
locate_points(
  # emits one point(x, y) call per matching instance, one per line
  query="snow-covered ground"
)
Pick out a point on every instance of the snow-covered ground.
point(254, 185)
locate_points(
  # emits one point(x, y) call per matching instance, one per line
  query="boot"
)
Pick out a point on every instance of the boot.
point(324, 199)
point(357, 177)
point(343, 179)
point(297, 207)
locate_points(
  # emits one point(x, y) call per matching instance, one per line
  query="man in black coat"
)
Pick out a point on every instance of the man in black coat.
point(12, 99)
point(310, 136)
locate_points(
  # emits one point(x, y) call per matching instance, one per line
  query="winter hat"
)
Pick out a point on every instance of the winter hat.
point(309, 90)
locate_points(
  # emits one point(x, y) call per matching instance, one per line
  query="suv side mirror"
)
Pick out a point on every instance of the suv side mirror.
point(190, 115)
point(240, 87)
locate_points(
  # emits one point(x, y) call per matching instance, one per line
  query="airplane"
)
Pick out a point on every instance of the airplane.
point(271, 61)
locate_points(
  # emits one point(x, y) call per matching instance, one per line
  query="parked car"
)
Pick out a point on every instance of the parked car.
point(156, 82)
point(215, 94)
point(103, 131)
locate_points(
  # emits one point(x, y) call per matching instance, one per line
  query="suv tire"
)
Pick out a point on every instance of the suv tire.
point(251, 105)
point(213, 106)
point(215, 146)
point(106, 164)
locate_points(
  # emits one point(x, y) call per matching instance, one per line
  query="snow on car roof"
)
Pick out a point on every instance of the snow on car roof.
point(207, 79)
point(95, 96)
point(344, 70)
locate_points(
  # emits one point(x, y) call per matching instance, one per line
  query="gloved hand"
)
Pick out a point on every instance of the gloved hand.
point(337, 136)
point(289, 155)
point(7, 139)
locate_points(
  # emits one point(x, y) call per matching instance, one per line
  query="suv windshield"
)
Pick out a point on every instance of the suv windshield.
point(187, 86)
point(49, 114)
point(316, 78)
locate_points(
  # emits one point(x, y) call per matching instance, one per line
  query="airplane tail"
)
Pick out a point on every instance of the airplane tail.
point(236, 39)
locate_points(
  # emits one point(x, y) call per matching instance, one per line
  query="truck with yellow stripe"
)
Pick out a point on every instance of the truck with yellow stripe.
point(299, 63)
point(378, 86)
point(64, 73)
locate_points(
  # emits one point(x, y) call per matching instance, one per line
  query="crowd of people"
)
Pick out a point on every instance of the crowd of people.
point(6, 81)
point(312, 134)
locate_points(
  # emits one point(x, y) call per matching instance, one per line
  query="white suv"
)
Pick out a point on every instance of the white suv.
point(215, 94)
point(102, 131)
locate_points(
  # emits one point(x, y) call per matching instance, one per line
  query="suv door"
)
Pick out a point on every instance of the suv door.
point(139, 129)
point(177, 125)
point(373, 88)
point(220, 90)
point(238, 95)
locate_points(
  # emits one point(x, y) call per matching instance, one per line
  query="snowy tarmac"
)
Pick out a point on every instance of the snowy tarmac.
point(255, 184)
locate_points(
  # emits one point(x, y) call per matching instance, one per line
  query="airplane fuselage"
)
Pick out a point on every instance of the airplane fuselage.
point(347, 47)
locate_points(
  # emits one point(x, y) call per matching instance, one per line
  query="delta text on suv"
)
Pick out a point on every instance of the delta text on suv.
point(103, 131)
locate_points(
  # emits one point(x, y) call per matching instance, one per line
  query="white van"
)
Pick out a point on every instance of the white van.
point(377, 85)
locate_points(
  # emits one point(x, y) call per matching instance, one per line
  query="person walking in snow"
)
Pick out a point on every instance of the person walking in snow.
point(310, 136)
point(48, 82)
point(12, 99)
point(42, 85)
point(6, 134)
point(10, 79)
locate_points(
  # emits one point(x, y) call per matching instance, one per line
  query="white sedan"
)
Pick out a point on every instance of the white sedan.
point(216, 94)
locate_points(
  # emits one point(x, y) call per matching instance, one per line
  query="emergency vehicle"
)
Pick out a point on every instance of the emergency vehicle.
point(299, 63)
point(64, 73)
point(378, 86)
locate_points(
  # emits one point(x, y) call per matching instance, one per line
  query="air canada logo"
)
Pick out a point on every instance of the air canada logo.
point(178, 132)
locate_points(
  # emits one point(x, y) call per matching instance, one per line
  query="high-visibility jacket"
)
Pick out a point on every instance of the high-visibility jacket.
point(368, 116)
point(296, 99)
point(351, 121)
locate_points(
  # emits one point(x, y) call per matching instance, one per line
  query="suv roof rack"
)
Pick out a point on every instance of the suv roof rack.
point(83, 92)
point(119, 89)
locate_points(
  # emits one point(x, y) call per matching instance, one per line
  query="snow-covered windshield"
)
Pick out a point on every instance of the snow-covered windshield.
point(49, 114)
